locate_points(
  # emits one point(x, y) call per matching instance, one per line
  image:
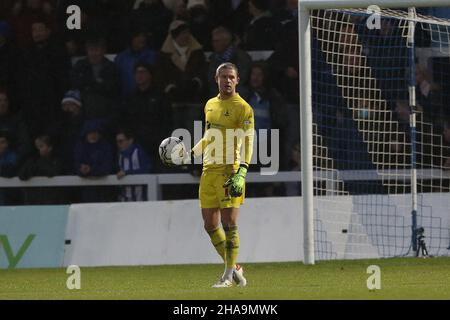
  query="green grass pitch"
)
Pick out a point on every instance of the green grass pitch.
point(401, 278)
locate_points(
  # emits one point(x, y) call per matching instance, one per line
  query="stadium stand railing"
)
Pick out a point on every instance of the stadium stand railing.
point(154, 182)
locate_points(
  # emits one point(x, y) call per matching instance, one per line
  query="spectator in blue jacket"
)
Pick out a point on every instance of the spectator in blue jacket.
point(132, 160)
point(93, 157)
point(126, 61)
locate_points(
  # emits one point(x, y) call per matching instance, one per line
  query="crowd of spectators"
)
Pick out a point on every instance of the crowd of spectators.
point(98, 100)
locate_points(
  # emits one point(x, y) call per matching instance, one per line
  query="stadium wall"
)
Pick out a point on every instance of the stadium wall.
point(271, 230)
point(171, 232)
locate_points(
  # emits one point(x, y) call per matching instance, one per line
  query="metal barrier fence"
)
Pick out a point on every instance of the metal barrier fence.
point(154, 182)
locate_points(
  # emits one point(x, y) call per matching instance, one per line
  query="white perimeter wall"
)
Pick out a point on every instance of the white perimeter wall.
point(171, 232)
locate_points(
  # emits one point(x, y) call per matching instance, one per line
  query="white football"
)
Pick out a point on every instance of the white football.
point(172, 151)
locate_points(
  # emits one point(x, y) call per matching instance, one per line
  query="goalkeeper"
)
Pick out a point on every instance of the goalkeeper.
point(229, 126)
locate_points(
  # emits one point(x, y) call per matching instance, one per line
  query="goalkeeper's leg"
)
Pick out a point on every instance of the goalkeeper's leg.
point(229, 222)
point(211, 218)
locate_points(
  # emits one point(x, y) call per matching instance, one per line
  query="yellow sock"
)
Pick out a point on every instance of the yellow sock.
point(232, 246)
point(218, 239)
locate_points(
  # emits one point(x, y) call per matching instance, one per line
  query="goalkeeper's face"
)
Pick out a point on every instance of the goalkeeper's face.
point(227, 80)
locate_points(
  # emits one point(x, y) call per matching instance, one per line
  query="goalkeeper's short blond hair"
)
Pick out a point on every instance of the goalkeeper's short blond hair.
point(227, 65)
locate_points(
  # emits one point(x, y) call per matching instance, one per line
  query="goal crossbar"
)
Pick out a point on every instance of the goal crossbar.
point(340, 4)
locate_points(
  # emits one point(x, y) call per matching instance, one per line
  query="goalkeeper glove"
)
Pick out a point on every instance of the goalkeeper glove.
point(236, 183)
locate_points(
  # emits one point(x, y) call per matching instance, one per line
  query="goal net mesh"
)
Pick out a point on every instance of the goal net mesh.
point(362, 139)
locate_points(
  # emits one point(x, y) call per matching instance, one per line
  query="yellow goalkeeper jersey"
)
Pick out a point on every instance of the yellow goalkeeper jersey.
point(229, 126)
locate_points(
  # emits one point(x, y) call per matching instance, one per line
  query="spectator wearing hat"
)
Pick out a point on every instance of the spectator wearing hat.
point(43, 79)
point(93, 154)
point(181, 65)
point(126, 61)
point(98, 80)
point(71, 103)
point(68, 129)
point(148, 112)
point(263, 31)
point(93, 157)
point(224, 50)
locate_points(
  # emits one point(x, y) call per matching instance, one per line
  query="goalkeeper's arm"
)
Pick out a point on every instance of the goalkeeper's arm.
point(188, 156)
point(197, 150)
point(236, 183)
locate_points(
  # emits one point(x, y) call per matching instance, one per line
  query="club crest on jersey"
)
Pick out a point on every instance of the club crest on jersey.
point(227, 113)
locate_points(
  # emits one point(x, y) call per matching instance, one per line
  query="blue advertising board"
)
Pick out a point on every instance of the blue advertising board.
point(32, 236)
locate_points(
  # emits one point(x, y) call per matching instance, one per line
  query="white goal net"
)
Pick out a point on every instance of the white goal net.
point(381, 133)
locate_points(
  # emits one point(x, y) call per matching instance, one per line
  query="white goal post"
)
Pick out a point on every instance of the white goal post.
point(306, 118)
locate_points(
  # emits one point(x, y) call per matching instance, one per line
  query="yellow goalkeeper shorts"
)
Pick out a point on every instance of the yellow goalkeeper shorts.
point(212, 194)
